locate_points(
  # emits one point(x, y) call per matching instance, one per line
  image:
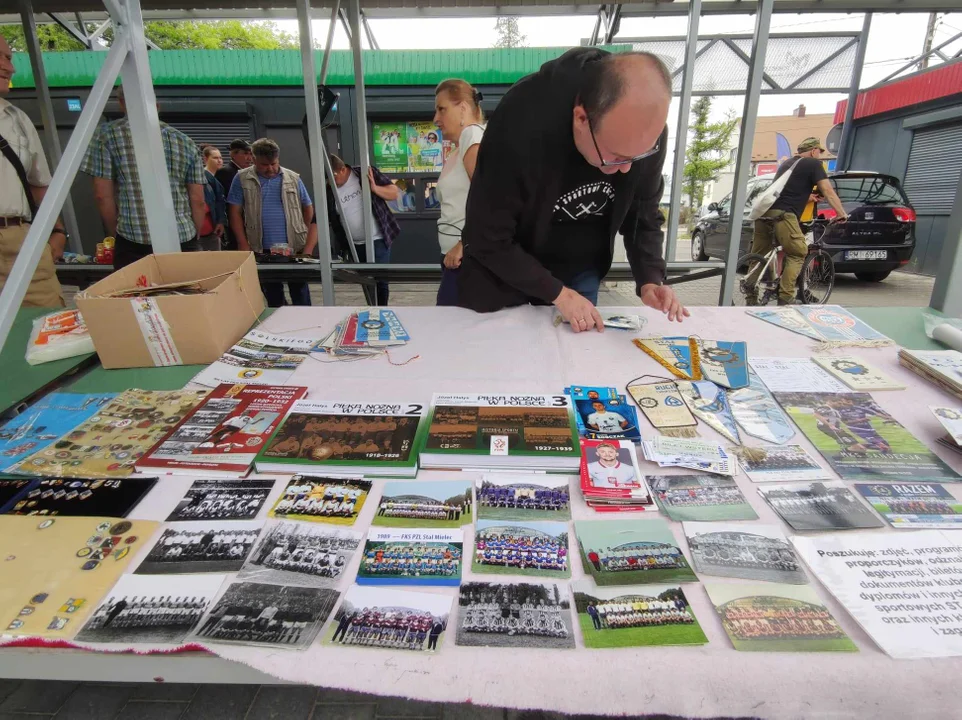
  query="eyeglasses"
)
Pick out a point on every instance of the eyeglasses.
point(618, 163)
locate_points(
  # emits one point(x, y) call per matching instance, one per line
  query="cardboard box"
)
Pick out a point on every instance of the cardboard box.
point(174, 329)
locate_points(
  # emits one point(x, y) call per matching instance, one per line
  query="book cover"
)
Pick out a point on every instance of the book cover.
point(860, 440)
point(43, 422)
point(345, 437)
point(856, 373)
point(109, 443)
point(913, 505)
point(258, 358)
point(225, 432)
point(521, 426)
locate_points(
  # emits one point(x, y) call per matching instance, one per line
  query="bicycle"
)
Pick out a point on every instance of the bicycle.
point(763, 273)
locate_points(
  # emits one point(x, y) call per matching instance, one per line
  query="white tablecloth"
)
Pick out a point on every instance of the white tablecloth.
point(520, 350)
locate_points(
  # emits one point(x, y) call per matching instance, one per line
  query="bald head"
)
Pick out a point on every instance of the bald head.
point(6, 66)
point(623, 100)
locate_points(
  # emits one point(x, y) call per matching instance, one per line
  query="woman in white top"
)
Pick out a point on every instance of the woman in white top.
point(458, 115)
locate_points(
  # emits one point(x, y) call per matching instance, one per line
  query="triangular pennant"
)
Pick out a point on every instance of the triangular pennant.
point(785, 317)
point(709, 403)
point(662, 404)
point(724, 363)
point(675, 354)
point(757, 413)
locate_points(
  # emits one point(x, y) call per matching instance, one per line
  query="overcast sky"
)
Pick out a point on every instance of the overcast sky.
point(894, 39)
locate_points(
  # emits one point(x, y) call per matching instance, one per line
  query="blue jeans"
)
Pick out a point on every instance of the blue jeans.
point(274, 293)
point(586, 284)
point(448, 290)
point(382, 255)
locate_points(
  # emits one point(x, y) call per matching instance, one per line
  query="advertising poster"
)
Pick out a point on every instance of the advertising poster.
point(425, 147)
point(389, 145)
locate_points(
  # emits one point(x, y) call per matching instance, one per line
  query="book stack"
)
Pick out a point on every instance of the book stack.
point(345, 439)
point(501, 432)
point(367, 332)
point(610, 478)
point(942, 367)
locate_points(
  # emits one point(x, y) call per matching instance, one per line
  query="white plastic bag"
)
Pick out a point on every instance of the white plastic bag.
point(58, 335)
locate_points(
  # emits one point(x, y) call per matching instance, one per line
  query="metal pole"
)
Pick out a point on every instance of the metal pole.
point(756, 70)
point(46, 113)
point(593, 40)
point(360, 102)
point(947, 291)
point(330, 42)
point(316, 148)
point(915, 61)
point(848, 130)
point(681, 136)
point(145, 131)
point(29, 255)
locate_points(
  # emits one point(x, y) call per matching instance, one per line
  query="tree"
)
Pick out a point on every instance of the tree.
point(168, 35)
point(509, 34)
point(707, 151)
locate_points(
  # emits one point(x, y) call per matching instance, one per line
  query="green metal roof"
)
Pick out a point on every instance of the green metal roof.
point(488, 66)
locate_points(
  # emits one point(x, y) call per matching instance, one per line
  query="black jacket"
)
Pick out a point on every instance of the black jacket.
point(520, 170)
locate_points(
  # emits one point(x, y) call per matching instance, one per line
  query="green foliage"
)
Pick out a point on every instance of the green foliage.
point(168, 35)
point(707, 151)
point(52, 38)
point(509, 34)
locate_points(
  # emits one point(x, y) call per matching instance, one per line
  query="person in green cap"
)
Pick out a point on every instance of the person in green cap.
point(780, 223)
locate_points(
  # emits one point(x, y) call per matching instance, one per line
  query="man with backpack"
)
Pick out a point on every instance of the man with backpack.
point(779, 224)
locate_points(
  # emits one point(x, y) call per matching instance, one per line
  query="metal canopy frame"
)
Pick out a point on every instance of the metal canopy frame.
point(128, 57)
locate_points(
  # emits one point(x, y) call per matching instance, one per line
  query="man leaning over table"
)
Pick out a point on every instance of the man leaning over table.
point(18, 138)
point(572, 154)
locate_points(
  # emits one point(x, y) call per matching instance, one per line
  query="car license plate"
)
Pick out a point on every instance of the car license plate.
point(866, 254)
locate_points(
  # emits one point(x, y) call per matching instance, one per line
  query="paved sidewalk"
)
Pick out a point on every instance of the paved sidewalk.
point(39, 700)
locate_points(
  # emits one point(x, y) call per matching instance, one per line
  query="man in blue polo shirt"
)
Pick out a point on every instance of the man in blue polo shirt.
point(268, 205)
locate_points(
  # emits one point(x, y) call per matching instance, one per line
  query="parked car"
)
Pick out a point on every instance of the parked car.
point(878, 237)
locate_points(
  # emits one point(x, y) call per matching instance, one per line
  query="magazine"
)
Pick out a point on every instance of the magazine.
point(223, 435)
point(860, 440)
point(942, 367)
point(258, 358)
point(345, 438)
point(520, 432)
point(109, 443)
point(856, 373)
point(913, 505)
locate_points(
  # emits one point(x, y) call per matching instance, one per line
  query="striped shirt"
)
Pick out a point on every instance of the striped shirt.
point(273, 220)
point(111, 156)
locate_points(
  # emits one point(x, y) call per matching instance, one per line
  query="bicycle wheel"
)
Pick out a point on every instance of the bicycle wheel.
point(754, 288)
point(817, 279)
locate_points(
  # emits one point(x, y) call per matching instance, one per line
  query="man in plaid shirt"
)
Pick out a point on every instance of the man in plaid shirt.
point(117, 191)
point(386, 228)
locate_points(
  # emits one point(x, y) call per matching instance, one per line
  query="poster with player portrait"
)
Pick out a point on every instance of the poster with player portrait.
point(601, 413)
point(860, 440)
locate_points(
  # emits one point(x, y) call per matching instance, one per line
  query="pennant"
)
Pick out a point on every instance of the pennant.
point(785, 317)
point(757, 413)
point(663, 405)
point(709, 403)
point(677, 355)
point(724, 363)
point(840, 328)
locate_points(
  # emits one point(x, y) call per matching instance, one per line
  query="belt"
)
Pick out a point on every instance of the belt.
point(6, 222)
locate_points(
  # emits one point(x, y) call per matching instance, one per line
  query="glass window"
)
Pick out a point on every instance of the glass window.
point(724, 204)
point(407, 202)
point(867, 190)
point(431, 201)
point(756, 189)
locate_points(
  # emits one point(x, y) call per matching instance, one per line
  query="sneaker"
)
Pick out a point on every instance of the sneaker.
point(793, 301)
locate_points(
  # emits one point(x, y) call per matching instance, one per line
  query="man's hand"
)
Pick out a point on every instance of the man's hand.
point(57, 242)
point(662, 297)
point(579, 312)
point(452, 258)
point(370, 176)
